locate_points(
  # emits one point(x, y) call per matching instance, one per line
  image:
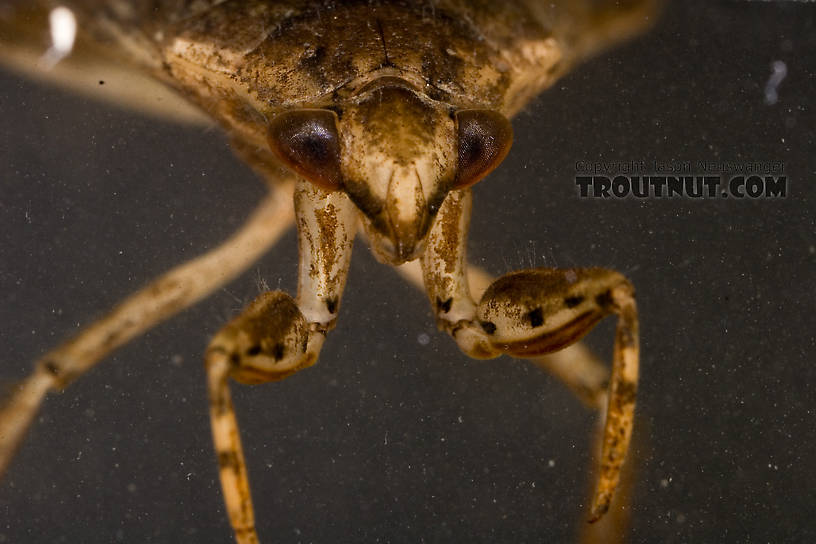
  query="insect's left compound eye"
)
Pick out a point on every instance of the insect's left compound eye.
point(307, 142)
point(485, 138)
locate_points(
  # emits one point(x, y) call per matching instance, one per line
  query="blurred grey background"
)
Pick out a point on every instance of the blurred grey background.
point(395, 436)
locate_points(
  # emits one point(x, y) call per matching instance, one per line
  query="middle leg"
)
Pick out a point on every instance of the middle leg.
point(165, 296)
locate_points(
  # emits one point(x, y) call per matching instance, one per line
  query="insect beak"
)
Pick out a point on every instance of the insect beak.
point(406, 212)
point(397, 162)
point(395, 237)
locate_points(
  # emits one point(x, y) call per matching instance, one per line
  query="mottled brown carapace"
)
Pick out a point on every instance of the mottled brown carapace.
point(372, 116)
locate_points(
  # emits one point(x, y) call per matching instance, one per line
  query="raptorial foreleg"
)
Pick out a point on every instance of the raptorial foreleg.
point(532, 313)
point(278, 335)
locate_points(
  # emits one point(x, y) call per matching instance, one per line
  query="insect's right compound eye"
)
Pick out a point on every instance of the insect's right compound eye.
point(485, 138)
point(307, 142)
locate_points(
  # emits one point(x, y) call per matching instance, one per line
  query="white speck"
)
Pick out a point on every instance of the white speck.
point(63, 33)
point(551, 463)
point(423, 339)
point(778, 73)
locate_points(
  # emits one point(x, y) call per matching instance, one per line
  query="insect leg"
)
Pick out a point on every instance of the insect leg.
point(231, 464)
point(169, 294)
point(532, 313)
point(277, 335)
point(580, 370)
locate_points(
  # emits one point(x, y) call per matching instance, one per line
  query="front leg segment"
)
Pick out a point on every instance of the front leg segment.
point(531, 313)
point(277, 335)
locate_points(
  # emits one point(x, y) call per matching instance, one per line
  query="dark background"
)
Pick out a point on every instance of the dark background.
point(390, 440)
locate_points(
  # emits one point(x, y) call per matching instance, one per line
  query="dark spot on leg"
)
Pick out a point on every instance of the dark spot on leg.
point(604, 300)
point(536, 317)
point(277, 351)
point(625, 393)
point(572, 302)
point(112, 339)
point(52, 368)
point(254, 350)
point(220, 404)
point(228, 460)
point(445, 306)
point(489, 328)
point(331, 304)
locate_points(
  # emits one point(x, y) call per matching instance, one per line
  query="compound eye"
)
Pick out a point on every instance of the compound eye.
point(307, 142)
point(485, 138)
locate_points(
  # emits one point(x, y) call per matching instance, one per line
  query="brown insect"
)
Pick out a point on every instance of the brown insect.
point(377, 118)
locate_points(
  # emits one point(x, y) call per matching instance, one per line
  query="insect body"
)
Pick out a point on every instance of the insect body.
point(378, 118)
